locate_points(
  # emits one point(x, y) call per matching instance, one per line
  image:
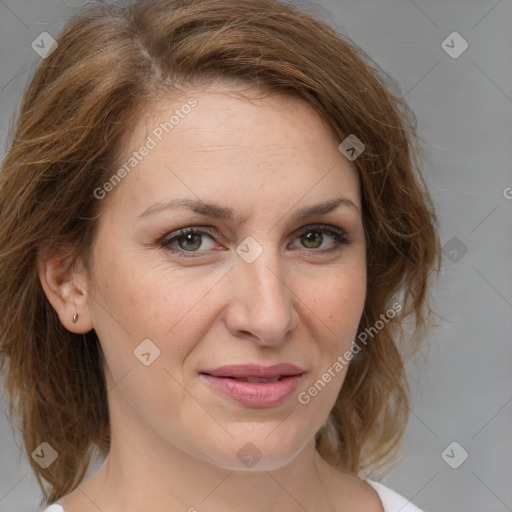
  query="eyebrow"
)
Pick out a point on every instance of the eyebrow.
point(225, 213)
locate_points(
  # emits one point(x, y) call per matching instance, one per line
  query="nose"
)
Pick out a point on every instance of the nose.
point(262, 305)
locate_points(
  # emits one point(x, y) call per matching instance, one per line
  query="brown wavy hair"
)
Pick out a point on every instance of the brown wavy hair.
point(77, 112)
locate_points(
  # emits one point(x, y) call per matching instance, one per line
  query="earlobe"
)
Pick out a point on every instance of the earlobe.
point(67, 293)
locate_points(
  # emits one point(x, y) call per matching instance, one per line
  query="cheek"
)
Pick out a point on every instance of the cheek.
point(335, 312)
point(339, 304)
point(164, 305)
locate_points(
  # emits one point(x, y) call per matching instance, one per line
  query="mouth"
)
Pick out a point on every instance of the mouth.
point(253, 385)
point(254, 379)
point(255, 373)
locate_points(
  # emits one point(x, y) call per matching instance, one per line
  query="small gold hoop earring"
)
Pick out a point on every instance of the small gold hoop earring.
point(75, 318)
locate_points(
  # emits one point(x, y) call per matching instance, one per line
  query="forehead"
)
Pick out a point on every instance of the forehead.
point(237, 144)
point(229, 119)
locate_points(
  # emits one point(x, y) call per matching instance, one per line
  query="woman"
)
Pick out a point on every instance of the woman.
point(214, 233)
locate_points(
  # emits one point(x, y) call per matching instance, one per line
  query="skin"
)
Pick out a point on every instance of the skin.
point(175, 439)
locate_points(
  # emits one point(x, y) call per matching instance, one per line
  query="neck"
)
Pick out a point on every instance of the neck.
point(174, 480)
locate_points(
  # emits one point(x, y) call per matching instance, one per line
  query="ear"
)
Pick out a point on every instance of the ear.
point(66, 289)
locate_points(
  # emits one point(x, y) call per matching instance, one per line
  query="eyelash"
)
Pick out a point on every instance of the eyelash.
point(340, 236)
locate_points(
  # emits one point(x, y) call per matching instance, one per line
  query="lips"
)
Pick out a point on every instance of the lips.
point(255, 373)
point(254, 385)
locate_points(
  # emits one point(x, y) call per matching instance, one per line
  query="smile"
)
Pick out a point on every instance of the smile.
point(255, 391)
point(254, 385)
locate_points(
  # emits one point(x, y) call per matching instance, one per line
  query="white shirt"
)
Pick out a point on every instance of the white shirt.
point(391, 501)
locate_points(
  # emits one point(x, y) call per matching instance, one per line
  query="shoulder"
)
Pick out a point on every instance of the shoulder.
point(351, 492)
point(392, 501)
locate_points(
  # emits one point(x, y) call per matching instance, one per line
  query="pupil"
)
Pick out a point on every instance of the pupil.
point(190, 236)
point(310, 238)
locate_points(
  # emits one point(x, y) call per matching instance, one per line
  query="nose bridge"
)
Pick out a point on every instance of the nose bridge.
point(267, 277)
point(263, 293)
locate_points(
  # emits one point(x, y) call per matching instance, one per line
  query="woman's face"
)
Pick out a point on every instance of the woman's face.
point(257, 283)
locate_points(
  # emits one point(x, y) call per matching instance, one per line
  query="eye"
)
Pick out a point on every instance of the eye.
point(188, 240)
point(191, 240)
point(313, 235)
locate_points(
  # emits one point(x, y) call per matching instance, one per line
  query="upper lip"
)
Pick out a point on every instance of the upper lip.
point(255, 370)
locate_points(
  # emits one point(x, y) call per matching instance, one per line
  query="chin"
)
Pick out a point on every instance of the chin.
point(255, 451)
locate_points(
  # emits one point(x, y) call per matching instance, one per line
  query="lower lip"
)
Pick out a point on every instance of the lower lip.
point(255, 394)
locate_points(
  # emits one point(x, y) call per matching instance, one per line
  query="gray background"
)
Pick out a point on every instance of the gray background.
point(463, 393)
